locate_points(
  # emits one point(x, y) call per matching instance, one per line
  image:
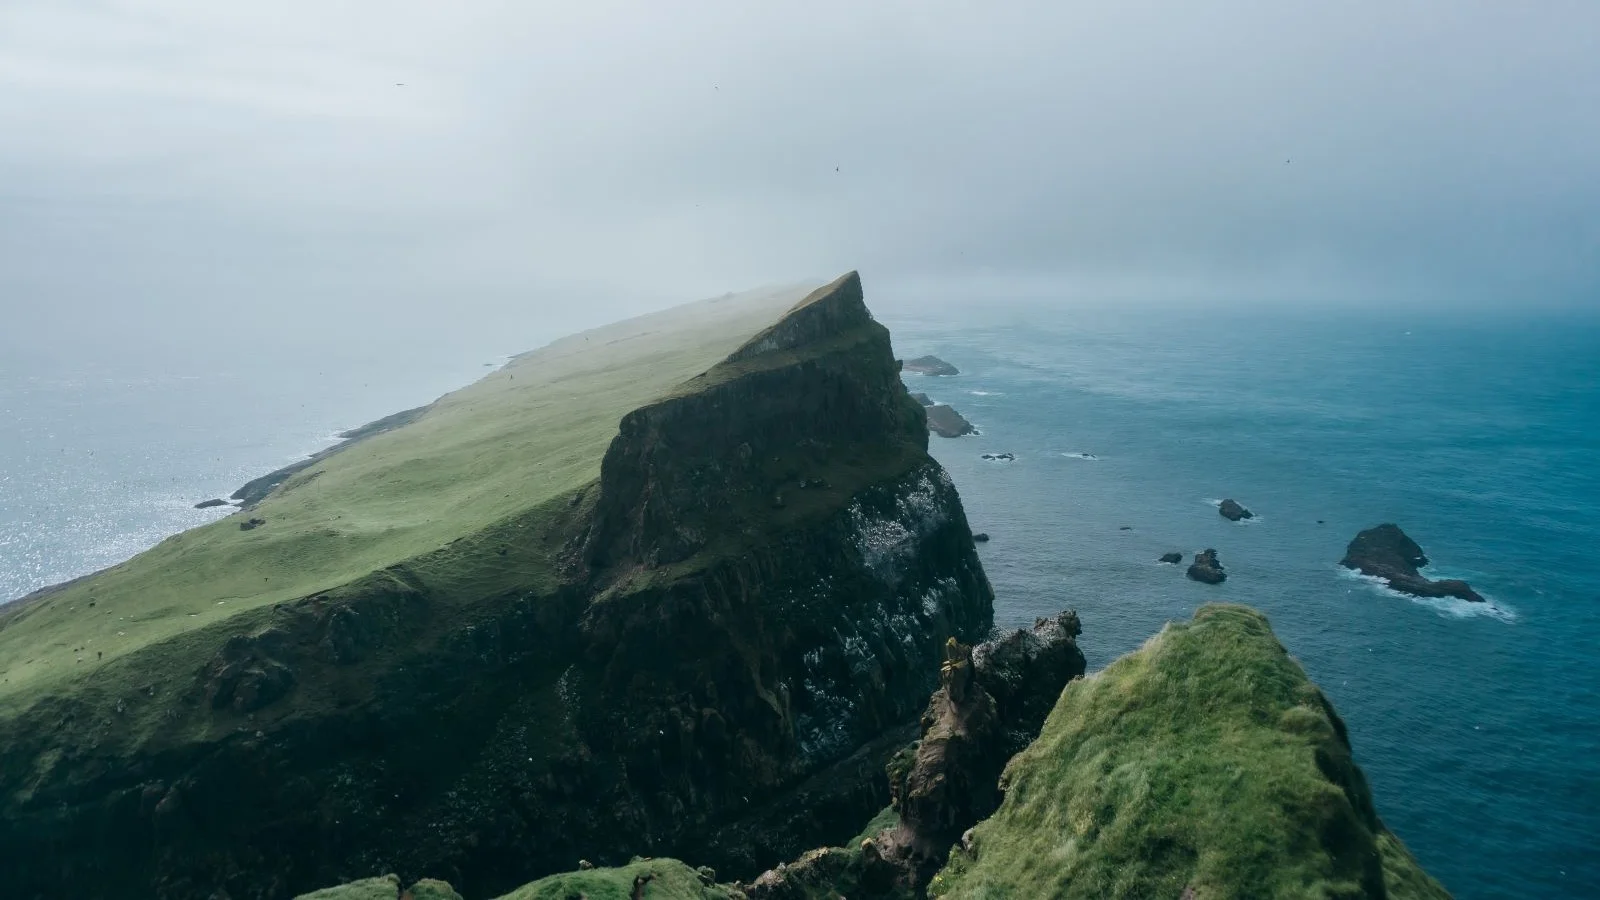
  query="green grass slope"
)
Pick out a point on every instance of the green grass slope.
point(477, 458)
point(1204, 766)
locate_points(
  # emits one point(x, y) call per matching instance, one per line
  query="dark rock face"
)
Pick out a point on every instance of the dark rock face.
point(1233, 512)
point(700, 676)
point(1025, 671)
point(208, 504)
point(1206, 568)
point(930, 365)
point(1387, 552)
point(946, 422)
point(244, 675)
point(991, 702)
point(1172, 558)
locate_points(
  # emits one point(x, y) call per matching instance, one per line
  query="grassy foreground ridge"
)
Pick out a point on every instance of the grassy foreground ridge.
point(1204, 765)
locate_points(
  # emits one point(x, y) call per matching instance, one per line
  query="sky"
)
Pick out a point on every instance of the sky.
point(179, 172)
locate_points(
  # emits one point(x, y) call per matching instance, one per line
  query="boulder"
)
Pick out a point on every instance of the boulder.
point(929, 365)
point(1172, 558)
point(1206, 568)
point(981, 537)
point(1233, 512)
point(1388, 553)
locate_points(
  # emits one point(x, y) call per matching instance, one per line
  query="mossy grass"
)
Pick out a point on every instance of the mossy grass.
point(1206, 762)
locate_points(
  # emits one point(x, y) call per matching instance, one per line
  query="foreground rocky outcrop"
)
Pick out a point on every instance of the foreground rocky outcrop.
point(1231, 510)
point(946, 422)
point(659, 662)
point(1205, 765)
point(930, 365)
point(992, 700)
point(1206, 568)
point(1386, 552)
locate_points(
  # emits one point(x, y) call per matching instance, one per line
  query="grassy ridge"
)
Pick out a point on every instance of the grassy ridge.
point(478, 457)
point(1204, 762)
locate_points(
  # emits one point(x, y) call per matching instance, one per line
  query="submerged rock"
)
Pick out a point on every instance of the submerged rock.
point(944, 421)
point(208, 504)
point(1206, 568)
point(929, 365)
point(1388, 553)
point(981, 537)
point(1233, 512)
point(999, 457)
point(1172, 558)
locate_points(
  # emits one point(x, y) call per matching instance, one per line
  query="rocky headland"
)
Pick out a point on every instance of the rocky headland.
point(1386, 552)
point(654, 661)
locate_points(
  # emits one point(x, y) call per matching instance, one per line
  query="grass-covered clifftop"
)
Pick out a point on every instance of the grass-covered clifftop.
point(621, 597)
point(477, 458)
point(1204, 766)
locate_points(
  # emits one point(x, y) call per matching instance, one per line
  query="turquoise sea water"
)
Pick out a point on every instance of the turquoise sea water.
point(1479, 727)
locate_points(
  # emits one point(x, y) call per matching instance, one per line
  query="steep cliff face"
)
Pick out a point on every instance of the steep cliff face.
point(747, 603)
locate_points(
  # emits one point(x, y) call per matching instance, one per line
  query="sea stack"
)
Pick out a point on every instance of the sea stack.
point(1233, 512)
point(944, 421)
point(1388, 553)
point(1206, 568)
point(929, 365)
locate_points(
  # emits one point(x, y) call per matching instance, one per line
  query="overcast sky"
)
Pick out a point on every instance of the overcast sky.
point(189, 167)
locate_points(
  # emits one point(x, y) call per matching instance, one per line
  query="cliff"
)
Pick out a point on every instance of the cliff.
point(1203, 766)
point(513, 632)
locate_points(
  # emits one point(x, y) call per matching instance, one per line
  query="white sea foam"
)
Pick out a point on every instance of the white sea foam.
point(986, 393)
point(1448, 607)
point(1079, 454)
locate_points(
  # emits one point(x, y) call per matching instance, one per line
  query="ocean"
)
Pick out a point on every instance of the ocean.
point(1478, 725)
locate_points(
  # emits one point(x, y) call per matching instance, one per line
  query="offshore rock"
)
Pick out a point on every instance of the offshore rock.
point(930, 365)
point(1171, 558)
point(1231, 510)
point(1386, 552)
point(1206, 568)
point(944, 421)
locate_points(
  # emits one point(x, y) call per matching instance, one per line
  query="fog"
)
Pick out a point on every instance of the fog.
point(176, 173)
